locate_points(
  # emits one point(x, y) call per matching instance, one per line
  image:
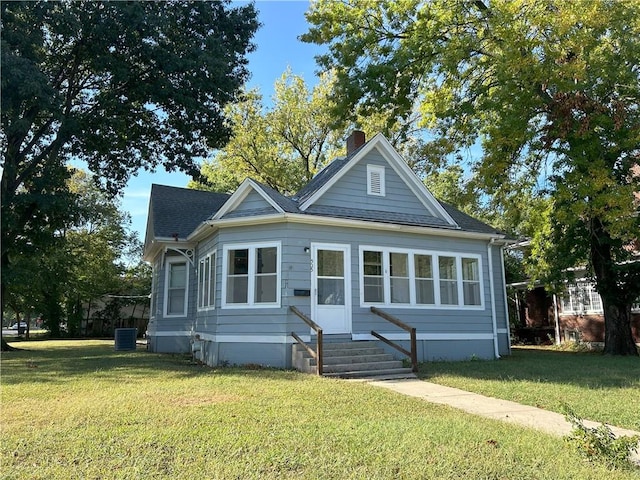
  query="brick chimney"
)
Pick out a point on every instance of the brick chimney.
point(355, 141)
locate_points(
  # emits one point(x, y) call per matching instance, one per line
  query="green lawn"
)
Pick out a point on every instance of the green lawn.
point(77, 409)
point(595, 387)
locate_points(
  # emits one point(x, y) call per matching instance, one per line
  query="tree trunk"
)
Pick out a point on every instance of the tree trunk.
point(4, 346)
point(618, 337)
point(617, 297)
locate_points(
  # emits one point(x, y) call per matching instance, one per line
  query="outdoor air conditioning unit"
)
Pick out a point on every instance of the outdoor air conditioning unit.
point(125, 339)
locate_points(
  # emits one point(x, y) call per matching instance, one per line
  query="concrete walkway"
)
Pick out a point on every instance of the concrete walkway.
point(537, 418)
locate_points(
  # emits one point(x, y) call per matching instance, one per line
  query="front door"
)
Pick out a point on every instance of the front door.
point(331, 285)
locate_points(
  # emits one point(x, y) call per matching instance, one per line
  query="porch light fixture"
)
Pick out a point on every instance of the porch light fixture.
point(306, 249)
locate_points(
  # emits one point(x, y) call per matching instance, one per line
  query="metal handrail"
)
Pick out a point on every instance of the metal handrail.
point(413, 354)
point(317, 353)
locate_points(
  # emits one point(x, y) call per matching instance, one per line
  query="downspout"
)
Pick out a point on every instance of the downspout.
point(494, 321)
point(506, 301)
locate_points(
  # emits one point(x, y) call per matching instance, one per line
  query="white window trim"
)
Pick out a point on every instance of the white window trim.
point(252, 247)
point(379, 170)
point(577, 308)
point(168, 262)
point(212, 281)
point(412, 278)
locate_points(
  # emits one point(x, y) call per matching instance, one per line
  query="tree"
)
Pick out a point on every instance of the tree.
point(84, 261)
point(120, 85)
point(283, 145)
point(551, 90)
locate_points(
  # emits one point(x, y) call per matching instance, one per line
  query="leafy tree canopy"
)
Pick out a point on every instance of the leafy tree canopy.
point(282, 145)
point(551, 90)
point(119, 85)
point(122, 85)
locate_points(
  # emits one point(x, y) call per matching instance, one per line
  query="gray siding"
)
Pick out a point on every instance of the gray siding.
point(169, 334)
point(229, 325)
point(253, 201)
point(351, 190)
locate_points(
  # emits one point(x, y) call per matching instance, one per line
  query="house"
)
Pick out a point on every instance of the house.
point(577, 315)
point(365, 232)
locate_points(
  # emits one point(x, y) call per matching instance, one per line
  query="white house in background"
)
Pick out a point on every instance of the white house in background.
point(365, 232)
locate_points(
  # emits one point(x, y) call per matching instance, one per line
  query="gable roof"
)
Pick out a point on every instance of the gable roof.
point(287, 204)
point(180, 213)
point(330, 176)
point(321, 178)
point(241, 193)
point(175, 212)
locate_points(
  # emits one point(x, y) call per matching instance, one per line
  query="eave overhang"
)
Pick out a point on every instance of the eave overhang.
point(205, 228)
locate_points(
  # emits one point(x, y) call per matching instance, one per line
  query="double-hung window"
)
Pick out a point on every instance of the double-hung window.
point(417, 278)
point(399, 277)
point(423, 268)
point(448, 280)
point(373, 280)
point(207, 281)
point(176, 281)
point(471, 281)
point(251, 275)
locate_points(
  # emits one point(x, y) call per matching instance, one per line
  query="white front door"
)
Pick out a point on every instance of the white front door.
point(331, 287)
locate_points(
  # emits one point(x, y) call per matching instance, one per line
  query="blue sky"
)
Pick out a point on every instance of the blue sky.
point(277, 47)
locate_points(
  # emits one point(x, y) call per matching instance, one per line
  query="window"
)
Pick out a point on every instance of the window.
point(207, 282)
point(266, 275)
point(419, 278)
point(582, 298)
point(424, 280)
point(251, 275)
point(373, 279)
point(448, 280)
point(330, 277)
point(471, 281)
point(399, 275)
point(176, 281)
point(375, 180)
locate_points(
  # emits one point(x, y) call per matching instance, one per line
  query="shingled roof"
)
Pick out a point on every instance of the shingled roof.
point(467, 222)
point(177, 212)
point(287, 204)
point(321, 178)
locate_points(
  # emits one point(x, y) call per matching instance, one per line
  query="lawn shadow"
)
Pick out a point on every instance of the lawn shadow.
point(62, 361)
point(590, 370)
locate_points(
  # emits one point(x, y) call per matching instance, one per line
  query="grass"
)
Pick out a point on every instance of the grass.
point(596, 387)
point(80, 410)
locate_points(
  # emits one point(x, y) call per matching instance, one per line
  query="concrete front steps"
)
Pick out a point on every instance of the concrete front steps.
point(357, 360)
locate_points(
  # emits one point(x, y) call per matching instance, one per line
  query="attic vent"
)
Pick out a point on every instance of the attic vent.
point(375, 180)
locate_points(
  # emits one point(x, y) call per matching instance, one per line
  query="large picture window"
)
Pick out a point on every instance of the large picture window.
point(416, 278)
point(207, 281)
point(251, 275)
point(176, 281)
